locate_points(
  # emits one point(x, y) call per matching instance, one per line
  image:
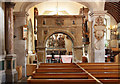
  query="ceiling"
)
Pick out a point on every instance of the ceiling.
point(113, 8)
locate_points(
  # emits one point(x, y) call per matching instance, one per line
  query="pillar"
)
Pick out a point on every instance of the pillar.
point(78, 50)
point(11, 74)
point(78, 44)
point(41, 54)
point(97, 42)
point(91, 45)
point(19, 42)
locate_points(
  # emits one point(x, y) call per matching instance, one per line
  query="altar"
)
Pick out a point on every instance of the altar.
point(64, 58)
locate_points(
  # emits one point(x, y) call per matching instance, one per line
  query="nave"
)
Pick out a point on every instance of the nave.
point(76, 73)
point(59, 31)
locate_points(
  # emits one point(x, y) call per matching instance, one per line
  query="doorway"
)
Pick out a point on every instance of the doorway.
point(61, 45)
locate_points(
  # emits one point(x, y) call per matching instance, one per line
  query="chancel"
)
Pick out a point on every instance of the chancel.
point(60, 41)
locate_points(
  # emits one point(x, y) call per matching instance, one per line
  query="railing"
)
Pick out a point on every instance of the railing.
point(77, 61)
point(98, 81)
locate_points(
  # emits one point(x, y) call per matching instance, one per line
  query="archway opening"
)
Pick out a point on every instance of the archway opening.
point(61, 45)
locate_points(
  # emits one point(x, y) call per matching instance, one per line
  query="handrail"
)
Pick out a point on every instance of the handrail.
point(89, 74)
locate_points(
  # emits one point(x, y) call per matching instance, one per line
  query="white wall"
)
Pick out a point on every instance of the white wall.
point(2, 40)
point(2, 26)
point(68, 7)
point(19, 43)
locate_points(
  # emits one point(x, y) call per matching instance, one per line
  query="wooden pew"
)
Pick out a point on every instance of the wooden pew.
point(97, 67)
point(60, 81)
point(102, 70)
point(71, 81)
point(84, 73)
point(60, 75)
point(107, 66)
point(57, 66)
point(75, 75)
point(106, 75)
point(98, 63)
point(110, 68)
point(61, 70)
point(85, 67)
point(30, 68)
point(55, 70)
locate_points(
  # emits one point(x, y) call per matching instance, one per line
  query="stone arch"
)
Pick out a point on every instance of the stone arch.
point(61, 31)
point(26, 6)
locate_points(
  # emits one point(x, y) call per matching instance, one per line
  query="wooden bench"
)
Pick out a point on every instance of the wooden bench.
point(19, 71)
point(96, 63)
point(72, 73)
point(71, 81)
point(109, 66)
point(58, 66)
point(60, 75)
point(102, 70)
point(55, 70)
point(60, 81)
point(75, 75)
point(30, 68)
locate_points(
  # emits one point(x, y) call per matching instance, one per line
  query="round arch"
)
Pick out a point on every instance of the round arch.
point(61, 31)
point(26, 6)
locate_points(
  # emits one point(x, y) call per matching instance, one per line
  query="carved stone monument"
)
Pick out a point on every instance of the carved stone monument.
point(59, 24)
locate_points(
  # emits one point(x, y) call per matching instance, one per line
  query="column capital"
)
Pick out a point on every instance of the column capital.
point(10, 4)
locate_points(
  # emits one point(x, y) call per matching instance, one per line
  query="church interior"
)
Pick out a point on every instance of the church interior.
point(60, 41)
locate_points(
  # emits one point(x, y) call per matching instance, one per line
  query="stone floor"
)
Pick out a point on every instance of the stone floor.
point(22, 81)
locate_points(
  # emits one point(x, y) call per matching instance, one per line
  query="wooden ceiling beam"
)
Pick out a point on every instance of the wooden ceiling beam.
point(113, 8)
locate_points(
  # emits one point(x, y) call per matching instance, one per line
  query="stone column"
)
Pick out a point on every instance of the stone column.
point(41, 54)
point(91, 45)
point(98, 36)
point(11, 74)
point(40, 45)
point(78, 45)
